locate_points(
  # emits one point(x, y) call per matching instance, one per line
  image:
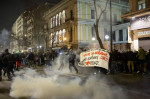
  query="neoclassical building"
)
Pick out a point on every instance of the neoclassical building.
point(71, 22)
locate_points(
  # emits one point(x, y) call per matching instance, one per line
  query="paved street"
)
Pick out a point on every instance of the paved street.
point(134, 85)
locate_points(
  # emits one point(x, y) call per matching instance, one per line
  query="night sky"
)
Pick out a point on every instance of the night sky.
point(11, 9)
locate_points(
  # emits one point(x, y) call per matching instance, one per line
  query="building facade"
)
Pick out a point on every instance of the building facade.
point(139, 17)
point(17, 36)
point(28, 29)
point(71, 22)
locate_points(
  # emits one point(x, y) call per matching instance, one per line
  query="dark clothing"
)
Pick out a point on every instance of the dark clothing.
point(48, 58)
point(72, 57)
point(9, 60)
point(30, 56)
point(130, 56)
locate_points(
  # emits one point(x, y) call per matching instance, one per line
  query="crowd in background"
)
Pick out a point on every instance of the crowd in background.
point(127, 62)
point(130, 62)
point(11, 61)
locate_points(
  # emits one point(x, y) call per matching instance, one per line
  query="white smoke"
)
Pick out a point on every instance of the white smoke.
point(56, 84)
point(33, 85)
point(4, 39)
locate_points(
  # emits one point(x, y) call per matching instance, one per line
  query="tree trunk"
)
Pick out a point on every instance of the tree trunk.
point(98, 37)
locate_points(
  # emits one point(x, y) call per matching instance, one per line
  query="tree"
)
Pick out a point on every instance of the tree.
point(98, 17)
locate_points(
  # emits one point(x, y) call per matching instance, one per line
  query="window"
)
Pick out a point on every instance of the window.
point(92, 14)
point(104, 16)
point(70, 40)
point(120, 35)
point(113, 36)
point(63, 16)
point(115, 18)
point(71, 15)
point(141, 4)
point(60, 18)
point(126, 34)
point(93, 32)
point(57, 37)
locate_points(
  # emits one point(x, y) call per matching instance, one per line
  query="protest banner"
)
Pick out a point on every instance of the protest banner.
point(94, 58)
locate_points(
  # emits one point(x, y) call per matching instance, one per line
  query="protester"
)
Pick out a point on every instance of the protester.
point(8, 60)
point(141, 60)
point(48, 58)
point(130, 58)
point(148, 62)
point(30, 57)
point(72, 57)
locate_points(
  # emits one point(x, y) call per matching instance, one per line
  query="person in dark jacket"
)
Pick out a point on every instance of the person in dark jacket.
point(48, 58)
point(72, 57)
point(8, 60)
point(30, 57)
point(113, 59)
point(130, 58)
point(148, 62)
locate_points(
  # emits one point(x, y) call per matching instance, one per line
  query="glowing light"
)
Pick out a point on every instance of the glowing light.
point(133, 18)
point(93, 38)
point(106, 37)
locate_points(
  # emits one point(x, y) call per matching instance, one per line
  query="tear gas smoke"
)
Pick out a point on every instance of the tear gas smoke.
point(4, 39)
point(56, 85)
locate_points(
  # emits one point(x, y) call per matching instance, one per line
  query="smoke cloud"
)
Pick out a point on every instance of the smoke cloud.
point(4, 39)
point(56, 84)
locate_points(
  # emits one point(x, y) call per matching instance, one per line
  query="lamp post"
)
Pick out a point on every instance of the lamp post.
point(110, 27)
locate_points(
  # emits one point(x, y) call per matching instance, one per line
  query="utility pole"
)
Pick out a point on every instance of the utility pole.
point(110, 27)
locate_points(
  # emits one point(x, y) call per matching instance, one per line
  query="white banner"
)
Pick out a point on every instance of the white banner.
point(94, 58)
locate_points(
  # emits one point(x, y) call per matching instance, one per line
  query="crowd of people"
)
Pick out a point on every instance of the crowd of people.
point(11, 61)
point(130, 62)
point(127, 62)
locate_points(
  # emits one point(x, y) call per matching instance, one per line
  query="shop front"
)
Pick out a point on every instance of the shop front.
point(140, 32)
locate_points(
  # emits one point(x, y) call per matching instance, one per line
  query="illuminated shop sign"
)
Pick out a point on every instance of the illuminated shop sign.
point(143, 33)
point(140, 22)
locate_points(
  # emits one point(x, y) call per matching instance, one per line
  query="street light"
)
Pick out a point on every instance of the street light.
point(110, 26)
point(93, 38)
point(106, 37)
point(65, 39)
